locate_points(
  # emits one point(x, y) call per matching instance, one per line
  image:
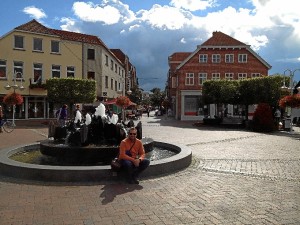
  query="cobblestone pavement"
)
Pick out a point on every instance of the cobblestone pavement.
point(236, 177)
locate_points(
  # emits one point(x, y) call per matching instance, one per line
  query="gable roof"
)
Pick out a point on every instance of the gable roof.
point(36, 27)
point(178, 56)
point(221, 40)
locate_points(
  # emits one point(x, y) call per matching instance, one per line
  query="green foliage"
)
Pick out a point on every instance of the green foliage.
point(136, 95)
point(157, 97)
point(70, 90)
point(220, 91)
point(244, 92)
point(263, 118)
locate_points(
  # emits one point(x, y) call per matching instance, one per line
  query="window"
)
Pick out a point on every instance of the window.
point(106, 60)
point(112, 84)
point(111, 64)
point(229, 58)
point(255, 75)
point(18, 69)
point(215, 76)
point(19, 42)
point(116, 85)
point(242, 58)
point(91, 75)
point(191, 105)
point(37, 44)
point(242, 76)
point(54, 46)
point(91, 54)
point(2, 69)
point(37, 73)
point(71, 71)
point(189, 79)
point(55, 71)
point(202, 78)
point(228, 76)
point(216, 58)
point(203, 58)
point(116, 68)
point(106, 81)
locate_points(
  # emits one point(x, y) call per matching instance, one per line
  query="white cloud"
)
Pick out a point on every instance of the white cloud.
point(69, 23)
point(94, 13)
point(164, 17)
point(183, 40)
point(271, 27)
point(192, 5)
point(35, 12)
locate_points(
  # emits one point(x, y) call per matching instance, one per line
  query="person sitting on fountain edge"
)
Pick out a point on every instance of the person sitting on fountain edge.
point(132, 156)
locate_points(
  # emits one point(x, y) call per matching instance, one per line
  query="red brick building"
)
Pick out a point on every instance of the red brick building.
point(220, 57)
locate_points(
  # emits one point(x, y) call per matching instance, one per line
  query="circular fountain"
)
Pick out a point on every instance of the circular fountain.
point(72, 153)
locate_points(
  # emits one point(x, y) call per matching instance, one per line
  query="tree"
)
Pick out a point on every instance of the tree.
point(157, 97)
point(136, 95)
point(70, 90)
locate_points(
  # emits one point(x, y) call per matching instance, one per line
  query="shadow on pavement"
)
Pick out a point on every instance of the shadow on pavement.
point(110, 191)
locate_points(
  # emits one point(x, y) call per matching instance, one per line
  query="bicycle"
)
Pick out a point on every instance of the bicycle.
point(8, 126)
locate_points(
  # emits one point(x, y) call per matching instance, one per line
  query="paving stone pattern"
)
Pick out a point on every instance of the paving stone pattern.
point(236, 177)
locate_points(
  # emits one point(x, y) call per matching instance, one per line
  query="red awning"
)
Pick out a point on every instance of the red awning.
point(113, 102)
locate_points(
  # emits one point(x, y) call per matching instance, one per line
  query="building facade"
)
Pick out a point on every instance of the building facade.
point(32, 53)
point(220, 57)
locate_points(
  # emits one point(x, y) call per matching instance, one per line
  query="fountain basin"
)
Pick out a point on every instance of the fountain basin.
point(46, 173)
point(88, 154)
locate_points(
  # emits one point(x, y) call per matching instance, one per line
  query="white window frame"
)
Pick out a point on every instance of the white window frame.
point(215, 76)
point(229, 76)
point(243, 58)
point(203, 58)
point(216, 58)
point(55, 69)
point(242, 76)
point(18, 70)
point(189, 79)
point(71, 71)
point(229, 58)
point(55, 49)
point(202, 78)
point(19, 42)
point(3, 69)
point(37, 44)
point(37, 69)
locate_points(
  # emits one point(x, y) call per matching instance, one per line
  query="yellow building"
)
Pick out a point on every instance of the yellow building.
point(32, 53)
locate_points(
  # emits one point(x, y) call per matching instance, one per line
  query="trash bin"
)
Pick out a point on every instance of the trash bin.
point(287, 124)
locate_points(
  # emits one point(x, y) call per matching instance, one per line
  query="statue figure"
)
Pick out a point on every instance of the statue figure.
point(100, 110)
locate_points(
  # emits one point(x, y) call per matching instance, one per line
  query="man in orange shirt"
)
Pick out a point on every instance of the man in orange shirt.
point(132, 156)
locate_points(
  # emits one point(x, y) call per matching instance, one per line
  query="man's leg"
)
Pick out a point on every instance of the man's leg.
point(143, 165)
point(129, 169)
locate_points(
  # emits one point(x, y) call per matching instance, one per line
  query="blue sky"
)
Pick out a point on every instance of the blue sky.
point(148, 31)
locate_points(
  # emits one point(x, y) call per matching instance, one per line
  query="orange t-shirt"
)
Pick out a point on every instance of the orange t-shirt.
point(137, 150)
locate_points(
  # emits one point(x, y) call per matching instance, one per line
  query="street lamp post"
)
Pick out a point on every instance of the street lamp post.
point(123, 92)
point(15, 86)
point(291, 88)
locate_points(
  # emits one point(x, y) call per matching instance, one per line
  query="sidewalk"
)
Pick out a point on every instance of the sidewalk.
point(236, 177)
